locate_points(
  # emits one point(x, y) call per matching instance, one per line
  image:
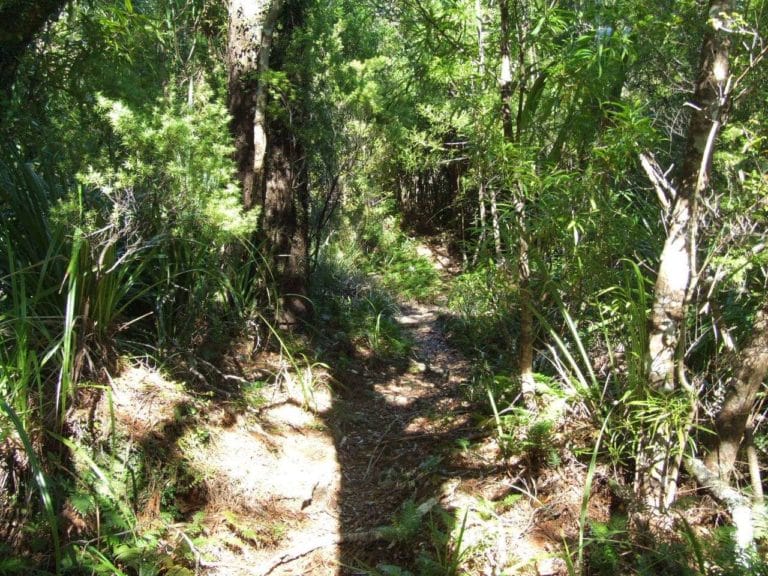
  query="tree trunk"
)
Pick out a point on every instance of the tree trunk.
point(249, 45)
point(658, 460)
point(286, 227)
point(505, 79)
point(479, 19)
point(20, 21)
point(495, 226)
point(481, 187)
point(525, 343)
point(525, 358)
point(272, 173)
point(731, 423)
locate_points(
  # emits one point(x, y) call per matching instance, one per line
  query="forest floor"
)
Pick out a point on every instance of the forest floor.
point(379, 468)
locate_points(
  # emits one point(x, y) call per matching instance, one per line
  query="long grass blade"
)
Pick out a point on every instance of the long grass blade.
point(588, 491)
point(68, 339)
point(40, 480)
point(581, 380)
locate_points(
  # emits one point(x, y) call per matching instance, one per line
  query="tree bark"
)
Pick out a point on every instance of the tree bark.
point(286, 227)
point(738, 506)
point(20, 21)
point(658, 460)
point(481, 186)
point(525, 358)
point(496, 226)
point(731, 422)
point(269, 155)
point(505, 79)
point(249, 46)
point(677, 263)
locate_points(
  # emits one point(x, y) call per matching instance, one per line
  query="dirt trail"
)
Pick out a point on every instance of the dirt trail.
point(395, 431)
point(385, 469)
point(323, 483)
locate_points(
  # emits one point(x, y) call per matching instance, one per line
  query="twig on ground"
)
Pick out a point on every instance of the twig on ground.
point(321, 542)
point(426, 435)
point(375, 454)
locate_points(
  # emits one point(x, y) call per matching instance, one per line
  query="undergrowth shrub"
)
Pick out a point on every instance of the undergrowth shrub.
point(482, 319)
point(174, 188)
point(611, 548)
point(150, 251)
point(373, 242)
point(175, 172)
point(355, 314)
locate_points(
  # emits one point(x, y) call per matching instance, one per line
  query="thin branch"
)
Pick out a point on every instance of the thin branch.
point(752, 65)
point(664, 189)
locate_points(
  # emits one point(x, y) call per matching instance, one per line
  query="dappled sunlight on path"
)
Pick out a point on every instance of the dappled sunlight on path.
point(386, 463)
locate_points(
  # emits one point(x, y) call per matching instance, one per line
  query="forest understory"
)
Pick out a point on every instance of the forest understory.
point(382, 466)
point(383, 287)
point(361, 462)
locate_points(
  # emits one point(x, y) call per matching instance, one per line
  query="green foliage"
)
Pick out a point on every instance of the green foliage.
point(610, 549)
point(356, 315)
point(482, 318)
point(148, 251)
point(399, 113)
point(59, 277)
point(448, 549)
point(173, 191)
point(40, 479)
point(406, 523)
point(175, 172)
point(523, 433)
point(379, 247)
point(445, 552)
point(12, 565)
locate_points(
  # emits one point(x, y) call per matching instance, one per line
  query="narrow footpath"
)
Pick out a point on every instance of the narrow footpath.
point(380, 468)
point(340, 475)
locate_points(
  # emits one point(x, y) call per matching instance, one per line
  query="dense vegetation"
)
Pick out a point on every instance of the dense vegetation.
point(180, 176)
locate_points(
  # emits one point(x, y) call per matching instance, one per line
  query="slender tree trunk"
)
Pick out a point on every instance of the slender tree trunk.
point(525, 359)
point(496, 226)
point(481, 187)
point(480, 38)
point(731, 423)
point(525, 344)
point(505, 79)
point(658, 459)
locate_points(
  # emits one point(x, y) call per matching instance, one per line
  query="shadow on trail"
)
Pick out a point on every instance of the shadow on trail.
point(399, 429)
